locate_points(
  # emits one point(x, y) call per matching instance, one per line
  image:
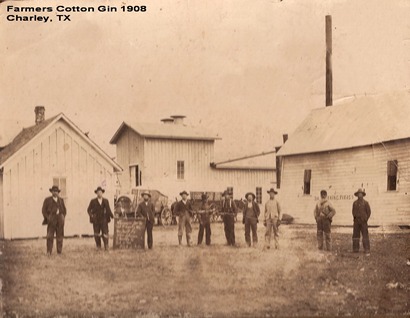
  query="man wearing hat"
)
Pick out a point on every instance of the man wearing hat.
point(229, 211)
point(100, 215)
point(183, 209)
point(54, 213)
point(272, 219)
point(250, 219)
point(361, 214)
point(147, 210)
point(204, 220)
point(324, 213)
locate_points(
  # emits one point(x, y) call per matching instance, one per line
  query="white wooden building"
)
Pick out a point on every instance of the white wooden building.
point(52, 152)
point(171, 157)
point(365, 143)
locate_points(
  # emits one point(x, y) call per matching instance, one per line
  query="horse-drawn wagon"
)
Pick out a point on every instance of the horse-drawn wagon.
point(126, 206)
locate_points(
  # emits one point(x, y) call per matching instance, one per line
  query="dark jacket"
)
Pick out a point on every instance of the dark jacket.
point(205, 213)
point(50, 208)
point(256, 209)
point(181, 208)
point(99, 213)
point(361, 210)
point(229, 206)
point(146, 210)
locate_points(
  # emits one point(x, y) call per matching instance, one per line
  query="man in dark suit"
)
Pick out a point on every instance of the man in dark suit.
point(54, 213)
point(100, 215)
point(147, 210)
point(250, 219)
point(183, 209)
point(229, 211)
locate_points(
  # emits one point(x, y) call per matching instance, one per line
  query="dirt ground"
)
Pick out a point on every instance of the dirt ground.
point(215, 281)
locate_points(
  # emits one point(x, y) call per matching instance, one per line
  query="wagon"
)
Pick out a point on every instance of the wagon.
point(126, 205)
point(214, 201)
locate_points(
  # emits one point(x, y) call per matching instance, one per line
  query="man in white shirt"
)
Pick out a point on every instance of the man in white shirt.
point(272, 219)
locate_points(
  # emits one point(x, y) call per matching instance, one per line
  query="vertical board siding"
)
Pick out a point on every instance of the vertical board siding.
point(157, 159)
point(341, 173)
point(61, 152)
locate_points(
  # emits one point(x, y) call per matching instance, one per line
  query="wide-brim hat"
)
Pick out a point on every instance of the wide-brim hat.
point(250, 193)
point(183, 192)
point(99, 189)
point(272, 190)
point(360, 191)
point(54, 188)
point(145, 193)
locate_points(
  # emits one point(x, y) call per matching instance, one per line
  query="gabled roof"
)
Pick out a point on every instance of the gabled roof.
point(165, 131)
point(365, 121)
point(28, 134)
point(23, 138)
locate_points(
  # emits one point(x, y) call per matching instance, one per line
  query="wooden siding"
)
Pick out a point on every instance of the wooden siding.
point(157, 159)
point(130, 151)
point(341, 173)
point(58, 152)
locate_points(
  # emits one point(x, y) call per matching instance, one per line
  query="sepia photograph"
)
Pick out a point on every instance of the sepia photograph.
point(181, 158)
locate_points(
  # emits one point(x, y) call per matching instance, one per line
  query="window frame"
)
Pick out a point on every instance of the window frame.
point(258, 194)
point(307, 182)
point(181, 170)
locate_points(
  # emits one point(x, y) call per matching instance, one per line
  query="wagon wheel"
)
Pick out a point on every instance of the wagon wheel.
point(166, 216)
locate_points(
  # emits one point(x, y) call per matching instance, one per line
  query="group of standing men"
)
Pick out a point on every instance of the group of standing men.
point(54, 212)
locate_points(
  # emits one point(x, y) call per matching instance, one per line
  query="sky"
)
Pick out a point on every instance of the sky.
point(247, 70)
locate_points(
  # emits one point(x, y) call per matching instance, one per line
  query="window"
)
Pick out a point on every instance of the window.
point(180, 170)
point(230, 189)
point(61, 183)
point(259, 195)
point(306, 181)
point(136, 176)
point(392, 167)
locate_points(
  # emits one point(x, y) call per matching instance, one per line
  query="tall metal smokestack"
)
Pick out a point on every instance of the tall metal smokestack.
point(329, 71)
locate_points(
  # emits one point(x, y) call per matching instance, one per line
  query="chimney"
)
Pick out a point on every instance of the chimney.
point(178, 119)
point(329, 71)
point(285, 137)
point(167, 121)
point(40, 114)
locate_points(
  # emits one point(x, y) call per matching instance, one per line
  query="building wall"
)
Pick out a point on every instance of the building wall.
point(244, 181)
point(341, 173)
point(130, 151)
point(158, 158)
point(58, 152)
point(160, 166)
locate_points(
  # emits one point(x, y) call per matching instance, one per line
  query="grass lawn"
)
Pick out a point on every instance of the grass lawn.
point(216, 281)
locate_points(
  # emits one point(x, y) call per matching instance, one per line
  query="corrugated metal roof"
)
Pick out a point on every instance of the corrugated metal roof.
point(165, 131)
point(365, 121)
point(23, 138)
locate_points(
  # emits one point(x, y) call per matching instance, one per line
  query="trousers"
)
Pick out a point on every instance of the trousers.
point(229, 227)
point(251, 224)
point(323, 229)
point(149, 225)
point(360, 227)
point(101, 230)
point(184, 222)
point(55, 226)
point(272, 226)
point(204, 227)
